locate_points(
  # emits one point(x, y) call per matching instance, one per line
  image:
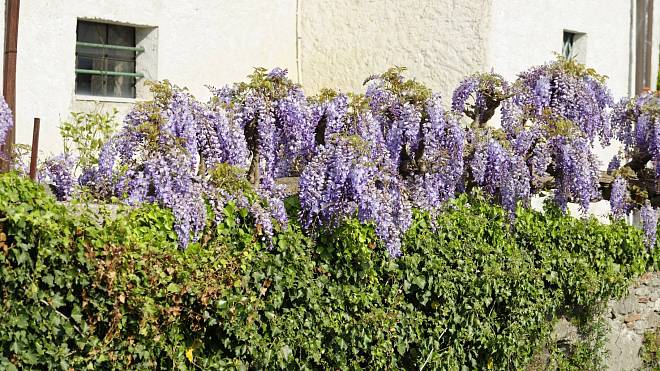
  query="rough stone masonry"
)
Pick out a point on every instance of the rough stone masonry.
point(628, 319)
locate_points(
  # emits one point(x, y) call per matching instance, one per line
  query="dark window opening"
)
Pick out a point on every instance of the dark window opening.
point(105, 60)
point(567, 49)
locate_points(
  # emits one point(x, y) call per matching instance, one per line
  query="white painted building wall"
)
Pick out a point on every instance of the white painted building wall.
point(323, 44)
point(199, 42)
point(525, 33)
point(345, 41)
point(441, 41)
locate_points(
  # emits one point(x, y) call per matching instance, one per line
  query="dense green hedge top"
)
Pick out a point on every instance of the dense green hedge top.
point(84, 287)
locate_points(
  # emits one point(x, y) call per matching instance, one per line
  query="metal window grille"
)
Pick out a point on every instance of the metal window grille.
point(105, 60)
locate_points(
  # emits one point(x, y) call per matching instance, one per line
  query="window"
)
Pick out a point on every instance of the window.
point(567, 49)
point(574, 46)
point(105, 60)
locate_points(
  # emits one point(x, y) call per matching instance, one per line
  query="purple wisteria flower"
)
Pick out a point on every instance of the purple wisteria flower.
point(619, 197)
point(344, 179)
point(57, 172)
point(555, 92)
point(636, 124)
point(6, 123)
point(614, 164)
point(502, 174)
point(649, 223)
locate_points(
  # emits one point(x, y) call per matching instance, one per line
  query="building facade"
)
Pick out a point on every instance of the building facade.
point(78, 55)
point(192, 43)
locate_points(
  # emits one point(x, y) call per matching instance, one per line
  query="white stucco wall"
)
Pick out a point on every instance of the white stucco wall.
point(200, 42)
point(345, 41)
point(526, 33)
point(340, 43)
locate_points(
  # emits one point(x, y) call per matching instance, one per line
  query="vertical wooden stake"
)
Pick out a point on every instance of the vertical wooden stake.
point(9, 74)
point(35, 148)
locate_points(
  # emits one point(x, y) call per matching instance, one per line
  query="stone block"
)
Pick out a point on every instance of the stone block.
point(626, 306)
point(623, 346)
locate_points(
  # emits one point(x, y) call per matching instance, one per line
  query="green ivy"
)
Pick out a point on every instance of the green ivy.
point(105, 287)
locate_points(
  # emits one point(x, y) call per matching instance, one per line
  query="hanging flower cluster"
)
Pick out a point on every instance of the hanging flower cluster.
point(57, 173)
point(425, 143)
point(636, 124)
point(352, 177)
point(275, 117)
point(6, 123)
point(165, 153)
point(377, 155)
point(550, 116)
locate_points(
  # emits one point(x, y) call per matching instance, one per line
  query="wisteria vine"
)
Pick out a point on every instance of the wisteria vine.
point(376, 156)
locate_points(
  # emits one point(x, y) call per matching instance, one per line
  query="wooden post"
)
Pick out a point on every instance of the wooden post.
point(643, 45)
point(9, 74)
point(35, 148)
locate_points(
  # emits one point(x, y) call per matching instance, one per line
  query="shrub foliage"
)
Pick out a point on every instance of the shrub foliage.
point(108, 288)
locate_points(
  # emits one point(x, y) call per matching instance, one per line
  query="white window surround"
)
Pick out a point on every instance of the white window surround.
point(574, 45)
point(146, 36)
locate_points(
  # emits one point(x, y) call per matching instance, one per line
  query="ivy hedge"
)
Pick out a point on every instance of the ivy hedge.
point(102, 287)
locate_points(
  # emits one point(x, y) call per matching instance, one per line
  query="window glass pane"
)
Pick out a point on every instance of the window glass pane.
point(121, 35)
point(105, 59)
point(120, 66)
point(84, 84)
point(92, 32)
point(121, 86)
point(99, 85)
point(567, 47)
point(89, 51)
point(124, 55)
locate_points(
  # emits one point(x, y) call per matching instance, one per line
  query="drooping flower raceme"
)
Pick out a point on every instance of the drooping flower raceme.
point(424, 142)
point(649, 223)
point(57, 172)
point(577, 172)
point(276, 120)
point(619, 197)
point(636, 124)
point(501, 173)
point(441, 165)
point(346, 179)
point(164, 153)
point(557, 92)
point(6, 123)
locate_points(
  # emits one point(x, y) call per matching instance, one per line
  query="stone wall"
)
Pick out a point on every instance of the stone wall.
point(627, 320)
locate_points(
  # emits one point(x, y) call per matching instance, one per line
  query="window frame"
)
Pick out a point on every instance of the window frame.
point(133, 75)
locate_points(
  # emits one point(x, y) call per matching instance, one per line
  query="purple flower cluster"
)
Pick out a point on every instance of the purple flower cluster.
point(550, 117)
point(277, 122)
point(501, 173)
point(619, 197)
point(577, 172)
point(57, 172)
point(560, 92)
point(345, 179)
point(636, 124)
point(484, 88)
point(649, 223)
point(164, 154)
point(6, 123)
point(441, 165)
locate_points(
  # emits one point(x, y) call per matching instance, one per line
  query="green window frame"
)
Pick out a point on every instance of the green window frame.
point(106, 56)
